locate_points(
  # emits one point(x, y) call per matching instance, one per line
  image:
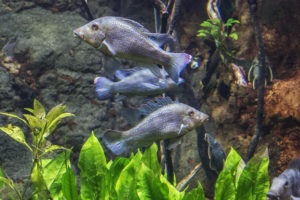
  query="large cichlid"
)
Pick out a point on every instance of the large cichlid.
point(138, 81)
point(287, 185)
point(170, 121)
point(127, 39)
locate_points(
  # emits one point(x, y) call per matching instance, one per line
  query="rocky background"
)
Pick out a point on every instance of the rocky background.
point(52, 66)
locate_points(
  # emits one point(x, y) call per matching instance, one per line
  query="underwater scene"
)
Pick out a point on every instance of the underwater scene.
point(149, 100)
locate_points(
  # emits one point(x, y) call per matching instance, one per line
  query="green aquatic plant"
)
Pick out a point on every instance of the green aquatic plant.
point(41, 125)
point(238, 181)
point(219, 32)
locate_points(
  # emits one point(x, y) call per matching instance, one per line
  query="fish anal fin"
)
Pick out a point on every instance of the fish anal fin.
point(122, 73)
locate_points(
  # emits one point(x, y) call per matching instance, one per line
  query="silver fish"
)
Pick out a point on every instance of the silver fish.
point(170, 121)
point(127, 39)
point(287, 185)
point(133, 82)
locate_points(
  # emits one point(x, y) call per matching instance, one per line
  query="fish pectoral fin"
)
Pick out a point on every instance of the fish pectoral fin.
point(182, 126)
point(108, 47)
point(174, 142)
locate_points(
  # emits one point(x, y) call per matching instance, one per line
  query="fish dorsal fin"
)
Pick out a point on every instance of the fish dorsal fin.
point(134, 24)
point(155, 104)
point(122, 73)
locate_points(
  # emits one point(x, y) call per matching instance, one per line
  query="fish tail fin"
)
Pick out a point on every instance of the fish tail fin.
point(177, 64)
point(103, 87)
point(114, 141)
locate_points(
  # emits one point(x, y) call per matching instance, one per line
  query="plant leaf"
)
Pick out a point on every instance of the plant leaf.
point(33, 122)
point(174, 194)
point(150, 160)
point(195, 194)
point(235, 164)
point(254, 180)
point(201, 35)
point(38, 110)
point(224, 188)
point(53, 148)
point(55, 122)
point(206, 24)
point(53, 171)
point(149, 186)
point(94, 175)
point(15, 116)
point(2, 183)
point(16, 133)
point(39, 183)
point(234, 36)
point(126, 186)
point(116, 168)
point(69, 185)
point(55, 112)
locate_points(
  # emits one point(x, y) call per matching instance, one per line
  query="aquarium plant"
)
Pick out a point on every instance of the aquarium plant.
point(137, 177)
point(219, 32)
point(41, 125)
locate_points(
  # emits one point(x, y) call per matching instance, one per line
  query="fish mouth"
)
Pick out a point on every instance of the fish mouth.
point(77, 34)
point(272, 196)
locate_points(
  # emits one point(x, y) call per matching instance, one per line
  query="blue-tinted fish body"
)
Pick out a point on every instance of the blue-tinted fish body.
point(127, 39)
point(133, 82)
point(168, 122)
point(287, 185)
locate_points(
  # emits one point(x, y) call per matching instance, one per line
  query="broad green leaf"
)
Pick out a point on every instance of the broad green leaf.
point(149, 186)
point(254, 180)
point(116, 168)
point(40, 187)
point(55, 112)
point(53, 171)
point(16, 133)
point(38, 110)
point(2, 184)
point(15, 116)
point(224, 188)
point(195, 194)
point(174, 194)
point(231, 21)
point(203, 31)
point(69, 185)
point(94, 175)
point(234, 36)
point(151, 161)
point(201, 35)
point(235, 164)
point(55, 122)
point(33, 122)
point(206, 24)
point(126, 186)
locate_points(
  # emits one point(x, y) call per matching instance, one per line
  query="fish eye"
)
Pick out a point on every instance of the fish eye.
point(95, 27)
point(286, 184)
point(191, 113)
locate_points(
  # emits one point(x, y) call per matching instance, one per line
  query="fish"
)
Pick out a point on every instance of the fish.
point(138, 81)
point(239, 74)
point(287, 185)
point(166, 119)
point(127, 39)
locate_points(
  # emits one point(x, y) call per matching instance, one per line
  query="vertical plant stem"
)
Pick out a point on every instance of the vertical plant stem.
point(260, 79)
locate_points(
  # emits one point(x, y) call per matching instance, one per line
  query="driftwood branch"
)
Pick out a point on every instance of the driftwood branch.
point(87, 10)
point(185, 181)
point(260, 79)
